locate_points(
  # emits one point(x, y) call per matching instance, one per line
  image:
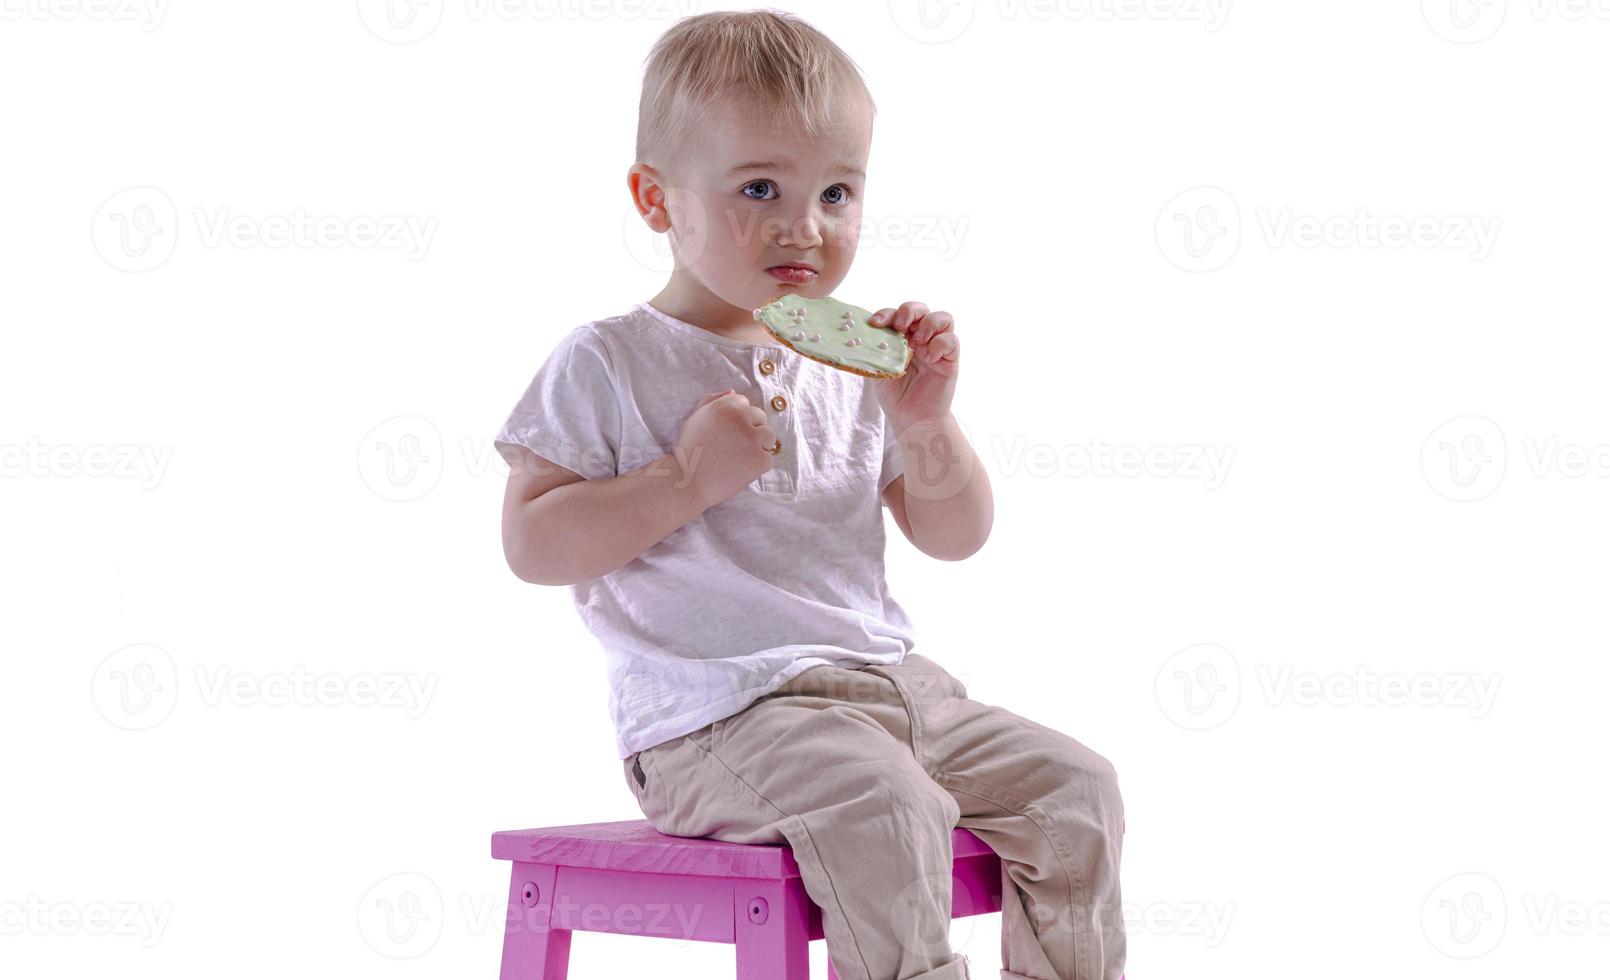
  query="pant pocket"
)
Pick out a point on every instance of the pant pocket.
point(708, 737)
point(649, 789)
point(928, 680)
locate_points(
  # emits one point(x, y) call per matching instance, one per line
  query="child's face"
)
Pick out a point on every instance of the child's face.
point(795, 199)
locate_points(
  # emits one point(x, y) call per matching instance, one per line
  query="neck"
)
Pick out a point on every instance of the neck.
point(689, 301)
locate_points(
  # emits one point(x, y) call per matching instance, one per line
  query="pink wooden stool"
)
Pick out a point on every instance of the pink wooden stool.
point(626, 877)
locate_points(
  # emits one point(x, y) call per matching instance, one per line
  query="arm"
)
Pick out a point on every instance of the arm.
point(946, 510)
point(559, 529)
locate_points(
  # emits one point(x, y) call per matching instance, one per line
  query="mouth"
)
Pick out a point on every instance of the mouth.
point(796, 272)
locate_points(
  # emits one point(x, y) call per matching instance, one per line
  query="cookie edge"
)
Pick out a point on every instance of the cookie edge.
point(910, 351)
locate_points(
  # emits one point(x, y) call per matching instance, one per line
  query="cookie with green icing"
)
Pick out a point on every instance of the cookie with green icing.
point(836, 333)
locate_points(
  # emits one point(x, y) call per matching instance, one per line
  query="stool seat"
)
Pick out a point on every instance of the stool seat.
point(635, 845)
point(626, 877)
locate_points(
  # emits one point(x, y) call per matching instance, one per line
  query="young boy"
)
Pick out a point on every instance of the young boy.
point(712, 499)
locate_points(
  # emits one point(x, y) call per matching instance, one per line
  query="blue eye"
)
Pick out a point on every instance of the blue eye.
point(836, 196)
point(844, 194)
point(756, 183)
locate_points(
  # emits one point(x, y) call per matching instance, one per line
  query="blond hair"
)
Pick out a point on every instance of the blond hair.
point(793, 69)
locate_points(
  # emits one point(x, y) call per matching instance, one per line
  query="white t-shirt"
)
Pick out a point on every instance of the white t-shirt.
point(784, 575)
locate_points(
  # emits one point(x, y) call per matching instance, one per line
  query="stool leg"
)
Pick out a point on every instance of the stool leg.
point(532, 950)
point(772, 935)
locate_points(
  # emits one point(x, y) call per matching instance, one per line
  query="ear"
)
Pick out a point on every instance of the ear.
point(648, 195)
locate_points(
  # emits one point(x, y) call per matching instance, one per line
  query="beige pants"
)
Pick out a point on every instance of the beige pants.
point(864, 772)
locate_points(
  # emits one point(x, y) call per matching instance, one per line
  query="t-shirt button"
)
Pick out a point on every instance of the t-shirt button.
point(767, 367)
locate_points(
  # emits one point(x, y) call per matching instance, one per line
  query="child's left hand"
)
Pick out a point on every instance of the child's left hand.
point(925, 390)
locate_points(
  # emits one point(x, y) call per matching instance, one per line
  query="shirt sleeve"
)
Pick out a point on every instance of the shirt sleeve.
point(570, 413)
point(893, 467)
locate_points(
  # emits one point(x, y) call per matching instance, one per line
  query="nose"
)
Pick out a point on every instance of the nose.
point(803, 232)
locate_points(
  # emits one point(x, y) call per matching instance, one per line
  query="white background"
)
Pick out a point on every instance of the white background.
point(233, 460)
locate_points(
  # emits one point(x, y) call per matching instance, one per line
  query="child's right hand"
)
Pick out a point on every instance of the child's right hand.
point(725, 445)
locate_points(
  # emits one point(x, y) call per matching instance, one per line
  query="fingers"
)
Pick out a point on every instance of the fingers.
point(944, 348)
point(931, 325)
point(899, 319)
point(712, 396)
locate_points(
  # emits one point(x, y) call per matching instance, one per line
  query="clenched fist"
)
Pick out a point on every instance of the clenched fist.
point(724, 445)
